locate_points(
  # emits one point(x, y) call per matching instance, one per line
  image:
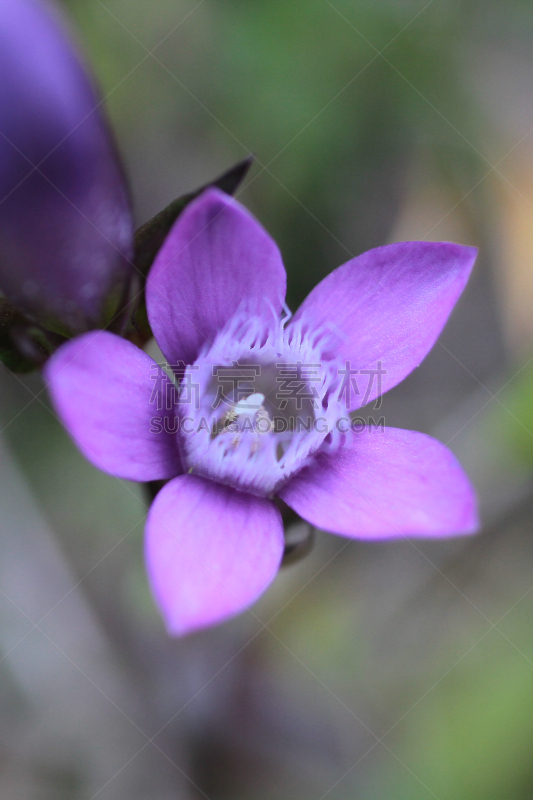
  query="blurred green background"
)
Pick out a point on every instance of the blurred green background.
point(392, 671)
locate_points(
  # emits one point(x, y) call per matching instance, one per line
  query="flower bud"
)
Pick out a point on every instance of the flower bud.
point(65, 220)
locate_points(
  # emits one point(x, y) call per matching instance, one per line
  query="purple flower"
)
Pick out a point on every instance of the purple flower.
point(262, 409)
point(65, 224)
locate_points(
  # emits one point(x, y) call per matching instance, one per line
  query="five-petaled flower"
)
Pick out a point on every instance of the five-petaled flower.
point(215, 299)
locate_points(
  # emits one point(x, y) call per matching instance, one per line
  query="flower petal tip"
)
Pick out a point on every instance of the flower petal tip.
point(210, 552)
point(386, 484)
point(386, 307)
point(101, 388)
point(216, 256)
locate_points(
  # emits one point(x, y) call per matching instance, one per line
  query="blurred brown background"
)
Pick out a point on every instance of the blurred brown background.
point(398, 671)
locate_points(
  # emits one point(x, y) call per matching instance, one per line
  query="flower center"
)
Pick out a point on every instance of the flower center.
point(255, 406)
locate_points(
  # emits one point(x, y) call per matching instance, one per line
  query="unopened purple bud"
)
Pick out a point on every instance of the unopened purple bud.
point(65, 221)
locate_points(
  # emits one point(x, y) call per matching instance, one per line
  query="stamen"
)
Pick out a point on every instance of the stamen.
point(250, 404)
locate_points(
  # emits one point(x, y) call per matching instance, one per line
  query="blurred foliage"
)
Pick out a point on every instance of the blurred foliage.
point(510, 422)
point(308, 87)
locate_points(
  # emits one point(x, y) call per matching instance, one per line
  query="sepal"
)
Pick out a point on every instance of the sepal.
point(24, 346)
point(150, 237)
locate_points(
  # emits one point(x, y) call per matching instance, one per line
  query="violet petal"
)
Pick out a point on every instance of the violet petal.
point(387, 306)
point(210, 551)
point(383, 484)
point(216, 257)
point(105, 391)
